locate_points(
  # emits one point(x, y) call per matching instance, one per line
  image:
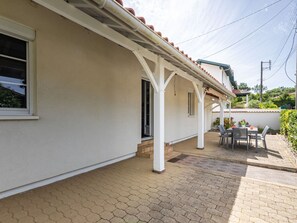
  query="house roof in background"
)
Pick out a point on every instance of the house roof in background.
point(239, 92)
point(225, 67)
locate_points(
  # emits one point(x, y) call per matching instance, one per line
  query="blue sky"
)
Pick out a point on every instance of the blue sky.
point(183, 20)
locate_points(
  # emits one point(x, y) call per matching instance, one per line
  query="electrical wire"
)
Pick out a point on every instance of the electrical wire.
point(281, 66)
point(254, 31)
point(289, 57)
point(284, 44)
point(231, 23)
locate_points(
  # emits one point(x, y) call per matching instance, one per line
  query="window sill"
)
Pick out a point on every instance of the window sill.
point(18, 117)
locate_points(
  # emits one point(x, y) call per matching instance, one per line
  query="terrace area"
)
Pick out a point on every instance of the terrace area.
point(277, 155)
point(129, 191)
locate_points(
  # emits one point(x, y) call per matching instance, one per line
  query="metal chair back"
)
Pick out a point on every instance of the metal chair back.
point(265, 131)
point(240, 133)
point(221, 128)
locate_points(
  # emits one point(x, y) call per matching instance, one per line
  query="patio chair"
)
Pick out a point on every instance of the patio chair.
point(223, 135)
point(240, 134)
point(261, 137)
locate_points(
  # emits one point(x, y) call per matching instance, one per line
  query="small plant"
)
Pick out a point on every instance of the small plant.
point(227, 122)
point(243, 123)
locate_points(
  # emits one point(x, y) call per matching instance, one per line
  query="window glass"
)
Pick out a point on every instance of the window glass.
point(191, 106)
point(12, 47)
point(13, 73)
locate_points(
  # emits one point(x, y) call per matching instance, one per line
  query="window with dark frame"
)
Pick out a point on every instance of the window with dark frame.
point(191, 104)
point(13, 73)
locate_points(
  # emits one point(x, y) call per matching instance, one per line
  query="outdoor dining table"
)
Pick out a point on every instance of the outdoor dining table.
point(251, 131)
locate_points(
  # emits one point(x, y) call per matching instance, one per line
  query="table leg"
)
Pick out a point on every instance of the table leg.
point(256, 142)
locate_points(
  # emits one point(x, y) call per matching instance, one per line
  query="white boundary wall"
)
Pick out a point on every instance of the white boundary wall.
point(256, 117)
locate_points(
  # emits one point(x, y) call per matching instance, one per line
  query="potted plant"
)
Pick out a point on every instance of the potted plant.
point(243, 123)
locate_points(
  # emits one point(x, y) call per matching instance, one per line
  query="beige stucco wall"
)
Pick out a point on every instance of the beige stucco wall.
point(178, 124)
point(88, 100)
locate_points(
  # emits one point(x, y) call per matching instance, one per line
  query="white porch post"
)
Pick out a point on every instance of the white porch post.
point(230, 112)
point(159, 164)
point(221, 112)
point(201, 126)
point(157, 81)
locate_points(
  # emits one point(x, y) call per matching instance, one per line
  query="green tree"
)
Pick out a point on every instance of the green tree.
point(257, 88)
point(244, 86)
point(8, 99)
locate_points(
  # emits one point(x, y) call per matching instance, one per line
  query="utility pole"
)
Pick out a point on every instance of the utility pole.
point(261, 78)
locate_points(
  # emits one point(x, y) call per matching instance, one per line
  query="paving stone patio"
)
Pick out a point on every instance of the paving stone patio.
point(276, 156)
point(130, 192)
point(238, 169)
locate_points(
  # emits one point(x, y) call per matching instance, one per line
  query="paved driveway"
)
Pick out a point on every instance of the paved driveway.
point(129, 192)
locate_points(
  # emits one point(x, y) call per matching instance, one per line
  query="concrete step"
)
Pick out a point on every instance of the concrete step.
point(146, 149)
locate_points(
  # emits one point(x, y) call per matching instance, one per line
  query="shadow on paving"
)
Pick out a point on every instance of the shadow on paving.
point(129, 191)
point(260, 173)
point(275, 157)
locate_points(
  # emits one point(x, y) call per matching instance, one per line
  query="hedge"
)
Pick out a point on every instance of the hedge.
point(288, 122)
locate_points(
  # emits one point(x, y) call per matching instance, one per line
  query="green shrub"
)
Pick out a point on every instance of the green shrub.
point(268, 104)
point(254, 104)
point(240, 104)
point(288, 121)
point(292, 129)
point(284, 121)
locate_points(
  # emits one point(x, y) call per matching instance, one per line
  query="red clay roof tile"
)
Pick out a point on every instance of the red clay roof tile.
point(120, 2)
point(142, 19)
point(131, 11)
point(159, 33)
point(151, 27)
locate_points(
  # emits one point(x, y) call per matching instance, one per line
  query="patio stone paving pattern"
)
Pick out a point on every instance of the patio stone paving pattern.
point(276, 156)
point(130, 192)
point(260, 173)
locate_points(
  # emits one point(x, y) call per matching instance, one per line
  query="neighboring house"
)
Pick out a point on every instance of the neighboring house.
point(243, 93)
point(93, 81)
point(225, 75)
point(222, 72)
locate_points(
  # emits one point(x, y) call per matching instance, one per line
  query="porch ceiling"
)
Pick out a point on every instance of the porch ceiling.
point(123, 20)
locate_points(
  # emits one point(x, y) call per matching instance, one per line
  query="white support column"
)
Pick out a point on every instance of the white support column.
point(229, 112)
point(201, 126)
point(159, 111)
point(222, 112)
point(147, 70)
